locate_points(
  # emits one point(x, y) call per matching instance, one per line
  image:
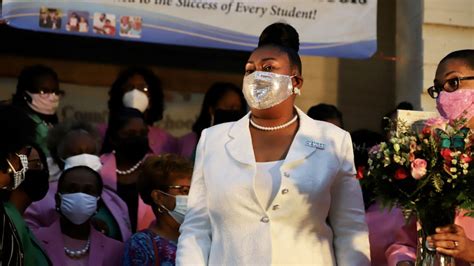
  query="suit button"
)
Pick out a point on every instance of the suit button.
point(264, 219)
point(286, 174)
point(284, 191)
point(276, 207)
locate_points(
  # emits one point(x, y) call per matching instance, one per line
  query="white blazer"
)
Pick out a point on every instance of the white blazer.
point(317, 217)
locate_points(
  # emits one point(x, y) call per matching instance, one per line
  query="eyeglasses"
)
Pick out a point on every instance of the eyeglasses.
point(449, 85)
point(182, 189)
point(57, 92)
point(143, 88)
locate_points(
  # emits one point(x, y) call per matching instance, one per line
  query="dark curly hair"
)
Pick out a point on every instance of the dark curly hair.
point(18, 131)
point(56, 137)
point(284, 37)
point(211, 99)
point(155, 112)
point(157, 172)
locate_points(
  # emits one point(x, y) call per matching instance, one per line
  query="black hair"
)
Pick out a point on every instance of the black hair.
point(157, 172)
point(212, 97)
point(155, 112)
point(324, 112)
point(466, 56)
point(116, 123)
point(28, 81)
point(100, 183)
point(284, 37)
point(18, 131)
point(57, 135)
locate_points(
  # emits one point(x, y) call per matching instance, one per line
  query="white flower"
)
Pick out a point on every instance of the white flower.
point(396, 147)
point(453, 169)
point(454, 161)
point(465, 171)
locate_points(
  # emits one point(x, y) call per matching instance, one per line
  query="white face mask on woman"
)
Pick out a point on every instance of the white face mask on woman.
point(90, 160)
point(78, 207)
point(46, 103)
point(136, 99)
point(263, 90)
point(180, 208)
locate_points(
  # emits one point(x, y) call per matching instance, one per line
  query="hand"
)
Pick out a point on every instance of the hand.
point(451, 240)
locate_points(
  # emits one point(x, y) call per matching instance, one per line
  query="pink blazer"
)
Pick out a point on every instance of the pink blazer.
point(383, 225)
point(103, 250)
point(404, 247)
point(160, 141)
point(187, 144)
point(145, 214)
point(43, 213)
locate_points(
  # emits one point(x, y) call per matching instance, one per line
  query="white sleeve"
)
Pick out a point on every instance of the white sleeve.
point(347, 214)
point(195, 240)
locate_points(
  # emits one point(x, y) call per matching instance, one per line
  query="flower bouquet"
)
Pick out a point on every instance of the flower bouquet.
point(429, 174)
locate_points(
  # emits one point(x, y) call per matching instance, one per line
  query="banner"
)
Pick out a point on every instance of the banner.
point(340, 28)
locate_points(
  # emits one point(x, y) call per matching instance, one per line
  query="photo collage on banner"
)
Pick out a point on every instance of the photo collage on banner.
point(80, 21)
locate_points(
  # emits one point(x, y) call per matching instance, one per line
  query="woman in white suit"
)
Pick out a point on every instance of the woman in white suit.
point(275, 187)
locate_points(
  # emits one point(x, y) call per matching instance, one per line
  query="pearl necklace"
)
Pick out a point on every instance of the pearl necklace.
point(132, 169)
point(78, 253)
point(275, 127)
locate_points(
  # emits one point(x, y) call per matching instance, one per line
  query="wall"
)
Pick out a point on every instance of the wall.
point(447, 26)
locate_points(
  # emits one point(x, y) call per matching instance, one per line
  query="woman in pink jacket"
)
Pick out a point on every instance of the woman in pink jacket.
point(454, 93)
point(71, 239)
point(126, 146)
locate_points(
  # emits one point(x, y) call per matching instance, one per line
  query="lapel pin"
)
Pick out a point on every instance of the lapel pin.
point(314, 144)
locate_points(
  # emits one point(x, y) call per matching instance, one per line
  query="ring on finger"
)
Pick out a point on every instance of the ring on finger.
point(456, 244)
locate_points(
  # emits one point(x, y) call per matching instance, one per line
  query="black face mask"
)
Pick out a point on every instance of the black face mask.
point(133, 148)
point(36, 184)
point(223, 116)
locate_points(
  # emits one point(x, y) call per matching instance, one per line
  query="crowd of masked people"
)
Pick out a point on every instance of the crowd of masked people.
point(73, 193)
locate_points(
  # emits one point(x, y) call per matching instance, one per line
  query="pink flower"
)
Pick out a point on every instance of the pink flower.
point(418, 168)
point(411, 157)
point(437, 122)
point(401, 174)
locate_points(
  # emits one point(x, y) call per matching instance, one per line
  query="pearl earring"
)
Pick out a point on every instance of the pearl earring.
point(296, 91)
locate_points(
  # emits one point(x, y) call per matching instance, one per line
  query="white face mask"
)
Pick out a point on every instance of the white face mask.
point(136, 99)
point(263, 90)
point(90, 160)
point(46, 103)
point(180, 208)
point(18, 176)
point(78, 207)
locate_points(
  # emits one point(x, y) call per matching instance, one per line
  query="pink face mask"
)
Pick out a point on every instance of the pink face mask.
point(453, 105)
point(46, 104)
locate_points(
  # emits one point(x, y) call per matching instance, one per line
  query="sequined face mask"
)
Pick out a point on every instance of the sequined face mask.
point(456, 104)
point(18, 176)
point(263, 90)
